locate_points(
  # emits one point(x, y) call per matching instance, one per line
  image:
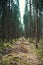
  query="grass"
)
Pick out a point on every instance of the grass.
point(39, 51)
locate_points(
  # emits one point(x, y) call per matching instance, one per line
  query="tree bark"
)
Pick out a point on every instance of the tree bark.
point(37, 27)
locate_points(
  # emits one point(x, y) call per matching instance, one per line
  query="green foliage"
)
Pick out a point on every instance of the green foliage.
point(1, 46)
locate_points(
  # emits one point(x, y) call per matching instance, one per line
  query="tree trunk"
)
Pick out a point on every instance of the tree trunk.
point(8, 20)
point(3, 16)
point(37, 27)
point(31, 21)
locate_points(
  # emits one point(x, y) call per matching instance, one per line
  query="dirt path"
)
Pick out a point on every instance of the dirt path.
point(26, 50)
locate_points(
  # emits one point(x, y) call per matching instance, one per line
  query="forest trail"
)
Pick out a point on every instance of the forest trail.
point(25, 50)
point(23, 53)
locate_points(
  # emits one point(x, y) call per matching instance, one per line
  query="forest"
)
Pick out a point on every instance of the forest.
point(21, 32)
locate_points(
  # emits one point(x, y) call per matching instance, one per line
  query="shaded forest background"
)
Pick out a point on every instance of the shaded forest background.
point(10, 22)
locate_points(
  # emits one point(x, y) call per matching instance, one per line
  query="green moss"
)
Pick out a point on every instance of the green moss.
point(5, 62)
point(16, 59)
point(28, 64)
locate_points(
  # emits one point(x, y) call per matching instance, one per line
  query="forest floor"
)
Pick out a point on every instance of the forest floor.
point(22, 52)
